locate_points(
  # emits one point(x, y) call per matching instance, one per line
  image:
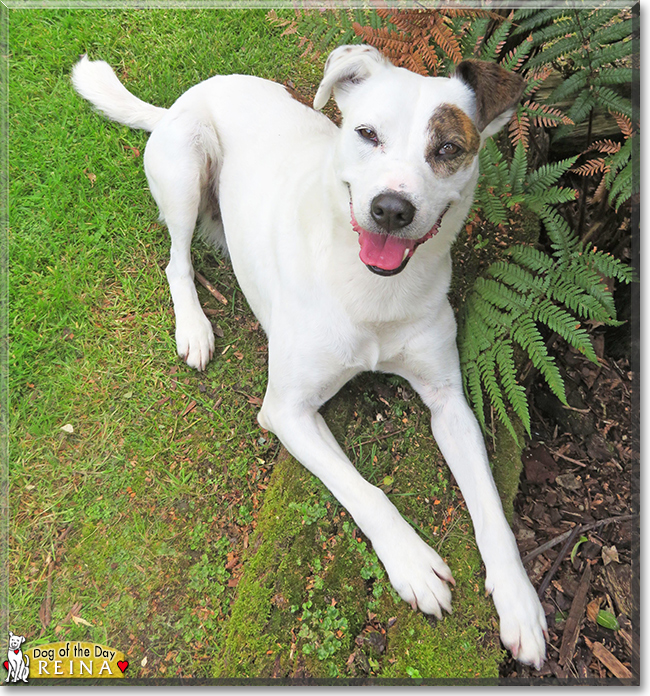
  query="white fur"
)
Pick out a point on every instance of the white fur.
point(284, 177)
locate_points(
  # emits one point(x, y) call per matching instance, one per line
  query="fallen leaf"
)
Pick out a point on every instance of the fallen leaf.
point(607, 620)
point(609, 554)
point(593, 608)
point(569, 481)
point(91, 177)
point(78, 620)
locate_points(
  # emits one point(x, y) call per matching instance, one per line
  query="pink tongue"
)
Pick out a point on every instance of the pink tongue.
point(383, 250)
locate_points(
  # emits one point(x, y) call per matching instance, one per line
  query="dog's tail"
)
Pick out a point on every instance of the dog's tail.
point(96, 82)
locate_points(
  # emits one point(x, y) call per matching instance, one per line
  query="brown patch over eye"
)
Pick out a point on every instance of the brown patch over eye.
point(453, 140)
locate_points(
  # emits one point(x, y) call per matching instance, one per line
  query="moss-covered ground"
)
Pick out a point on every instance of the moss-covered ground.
point(148, 510)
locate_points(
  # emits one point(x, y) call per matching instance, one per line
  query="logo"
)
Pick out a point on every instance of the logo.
point(65, 660)
point(16, 664)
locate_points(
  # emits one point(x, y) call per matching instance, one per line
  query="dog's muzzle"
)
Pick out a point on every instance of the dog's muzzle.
point(387, 254)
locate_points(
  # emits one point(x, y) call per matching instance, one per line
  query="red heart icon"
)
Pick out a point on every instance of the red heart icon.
point(6, 664)
point(122, 664)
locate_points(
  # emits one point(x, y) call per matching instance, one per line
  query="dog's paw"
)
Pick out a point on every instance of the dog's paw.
point(523, 624)
point(417, 572)
point(195, 340)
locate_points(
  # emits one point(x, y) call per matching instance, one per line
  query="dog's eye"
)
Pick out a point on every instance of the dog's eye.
point(368, 134)
point(448, 150)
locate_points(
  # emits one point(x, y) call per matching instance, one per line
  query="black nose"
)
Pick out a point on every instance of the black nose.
point(391, 212)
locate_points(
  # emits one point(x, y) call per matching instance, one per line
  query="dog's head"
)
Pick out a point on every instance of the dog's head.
point(409, 145)
point(15, 641)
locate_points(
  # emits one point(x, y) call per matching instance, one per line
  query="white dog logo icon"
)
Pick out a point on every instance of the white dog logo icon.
point(17, 665)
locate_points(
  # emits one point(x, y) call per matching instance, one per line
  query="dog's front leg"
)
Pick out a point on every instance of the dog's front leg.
point(523, 624)
point(415, 570)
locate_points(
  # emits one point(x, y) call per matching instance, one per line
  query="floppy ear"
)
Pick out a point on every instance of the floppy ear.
point(346, 67)
point(497, 93)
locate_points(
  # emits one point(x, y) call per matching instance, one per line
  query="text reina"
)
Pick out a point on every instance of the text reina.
point(82, 657)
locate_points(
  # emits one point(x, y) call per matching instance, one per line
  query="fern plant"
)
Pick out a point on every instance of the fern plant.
point(506, 307)
point(594, 50)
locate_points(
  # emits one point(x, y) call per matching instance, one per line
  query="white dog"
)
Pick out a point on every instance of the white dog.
point(18, 665)
point(340, 238)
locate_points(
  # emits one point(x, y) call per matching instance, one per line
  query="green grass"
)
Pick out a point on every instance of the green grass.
point(151, 518)
point(160, 501)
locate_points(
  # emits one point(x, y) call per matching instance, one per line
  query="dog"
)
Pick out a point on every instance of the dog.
point(340, 240)
point(18, 665)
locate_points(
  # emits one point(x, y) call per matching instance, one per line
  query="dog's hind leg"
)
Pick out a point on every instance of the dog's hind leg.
point(177, 169)
point(415, 570)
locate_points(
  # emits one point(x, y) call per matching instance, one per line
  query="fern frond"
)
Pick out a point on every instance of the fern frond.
point(548, 174)
point(591, 282)
point(496, 42)
point(593, 166)
point(614, 52)
point(620, 158)
point(605, 264)
point(518, 169)
point(531, 258)
point(550, 196)
point(528, 337)
point(486, 364)
point(515, 393)
point(614, 32)
point(569, 87)
point(562, 27)
point(501, 296)
point(566, 292)
point(539, 18)
point(607, 146)
point(622, 188)
point(609, 100)
point(535, 80)
point(566, 326)
point(563, 240)
point(472, 41)
point(625, 124)
point(561, 48)
point(518, 278)
point(613, 76)
point(515, 59)
point(581, 107)
point(473, 390)
point(519, 128)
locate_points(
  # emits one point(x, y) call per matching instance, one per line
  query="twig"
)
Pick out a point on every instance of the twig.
point(210, 288)
point(583, 528)
point(572, 628)
point(378, 438)
point(563, 456)
point(565, 549)
point(613, 664)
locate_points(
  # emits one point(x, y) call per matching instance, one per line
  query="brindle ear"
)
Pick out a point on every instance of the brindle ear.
point(345, 67)
point(497, 92)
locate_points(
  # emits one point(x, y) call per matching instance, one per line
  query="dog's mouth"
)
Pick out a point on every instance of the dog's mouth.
point(387, 254)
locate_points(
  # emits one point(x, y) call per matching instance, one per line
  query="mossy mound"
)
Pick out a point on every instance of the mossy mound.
point(314, 602)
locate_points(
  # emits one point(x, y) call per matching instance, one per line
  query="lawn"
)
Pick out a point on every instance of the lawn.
point(148, 510)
